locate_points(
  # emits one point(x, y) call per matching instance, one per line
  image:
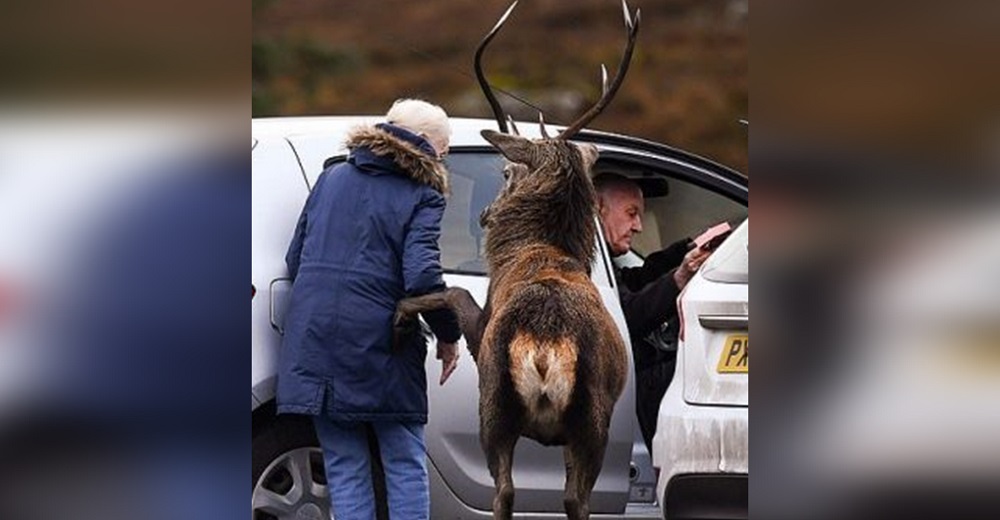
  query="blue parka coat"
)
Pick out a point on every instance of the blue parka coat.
point(367, 237)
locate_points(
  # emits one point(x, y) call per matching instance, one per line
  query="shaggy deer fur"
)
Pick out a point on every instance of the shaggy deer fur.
point(551, 361)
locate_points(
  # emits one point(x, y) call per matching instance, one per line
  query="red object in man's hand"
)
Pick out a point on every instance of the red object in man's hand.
point(713, 237)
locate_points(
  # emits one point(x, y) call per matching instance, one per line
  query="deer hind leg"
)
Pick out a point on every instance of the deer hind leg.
point(500, 459)
point(584, 454)
point(499, 430)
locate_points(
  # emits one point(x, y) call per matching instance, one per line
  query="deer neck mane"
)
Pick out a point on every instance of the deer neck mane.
point(559, 214)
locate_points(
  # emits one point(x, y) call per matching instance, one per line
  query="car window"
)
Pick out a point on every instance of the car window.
point(685, 211)
point(476, 179)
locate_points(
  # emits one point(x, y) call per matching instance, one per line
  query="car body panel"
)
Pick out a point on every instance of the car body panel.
point(708, 306)
point(704, 382)
point(704, 420)
point(445, 504)
point(278, 182)
point(699, 439)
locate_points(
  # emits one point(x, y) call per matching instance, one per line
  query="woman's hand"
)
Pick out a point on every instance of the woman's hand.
point(448, 354)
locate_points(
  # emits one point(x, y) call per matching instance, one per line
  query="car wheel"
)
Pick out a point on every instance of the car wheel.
point(289, 479)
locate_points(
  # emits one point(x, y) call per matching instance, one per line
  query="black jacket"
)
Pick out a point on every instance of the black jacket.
point(648, 296)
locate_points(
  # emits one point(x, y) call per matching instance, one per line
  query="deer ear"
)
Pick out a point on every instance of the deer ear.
point(588, 153)
point(515, 148)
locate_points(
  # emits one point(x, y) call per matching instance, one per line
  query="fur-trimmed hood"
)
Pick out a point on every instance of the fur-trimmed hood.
point(412, 154)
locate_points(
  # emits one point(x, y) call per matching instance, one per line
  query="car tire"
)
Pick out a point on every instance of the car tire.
point(289, 480)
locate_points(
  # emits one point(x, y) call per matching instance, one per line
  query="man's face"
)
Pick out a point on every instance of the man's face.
point(621, 211)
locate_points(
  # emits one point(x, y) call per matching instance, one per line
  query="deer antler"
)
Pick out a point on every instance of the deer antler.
point(485, 85)
point(513, 126)
point(541, 125)
point(608, 92)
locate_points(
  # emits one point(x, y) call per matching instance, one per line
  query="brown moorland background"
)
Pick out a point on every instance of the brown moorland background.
point(687, 86)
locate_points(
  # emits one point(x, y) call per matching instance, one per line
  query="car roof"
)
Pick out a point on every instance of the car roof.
point(465, 132)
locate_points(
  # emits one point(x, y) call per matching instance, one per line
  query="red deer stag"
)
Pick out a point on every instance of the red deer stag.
point(551, 362)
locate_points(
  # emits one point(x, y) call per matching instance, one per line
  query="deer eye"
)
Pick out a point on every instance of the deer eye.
point(510, 170)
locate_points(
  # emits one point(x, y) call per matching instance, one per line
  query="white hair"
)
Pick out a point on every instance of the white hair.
point(420, 117)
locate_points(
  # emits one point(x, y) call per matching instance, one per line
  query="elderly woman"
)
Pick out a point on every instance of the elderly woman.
point(368, 237)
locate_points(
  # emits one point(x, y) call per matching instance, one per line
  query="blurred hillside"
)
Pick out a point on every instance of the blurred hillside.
point(687, 86)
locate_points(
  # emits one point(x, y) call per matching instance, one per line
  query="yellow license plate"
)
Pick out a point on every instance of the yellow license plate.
point(735, 358)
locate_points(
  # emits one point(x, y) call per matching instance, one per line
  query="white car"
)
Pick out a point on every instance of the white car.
point(288, 156)
point(702, 434)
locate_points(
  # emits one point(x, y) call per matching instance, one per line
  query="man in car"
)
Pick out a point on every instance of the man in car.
point(648, 293)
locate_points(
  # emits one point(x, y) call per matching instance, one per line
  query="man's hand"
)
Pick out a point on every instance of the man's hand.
point(692, 262)
point(448, 354)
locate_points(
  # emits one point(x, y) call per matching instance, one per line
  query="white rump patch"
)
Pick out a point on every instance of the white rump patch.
point(544, 374)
